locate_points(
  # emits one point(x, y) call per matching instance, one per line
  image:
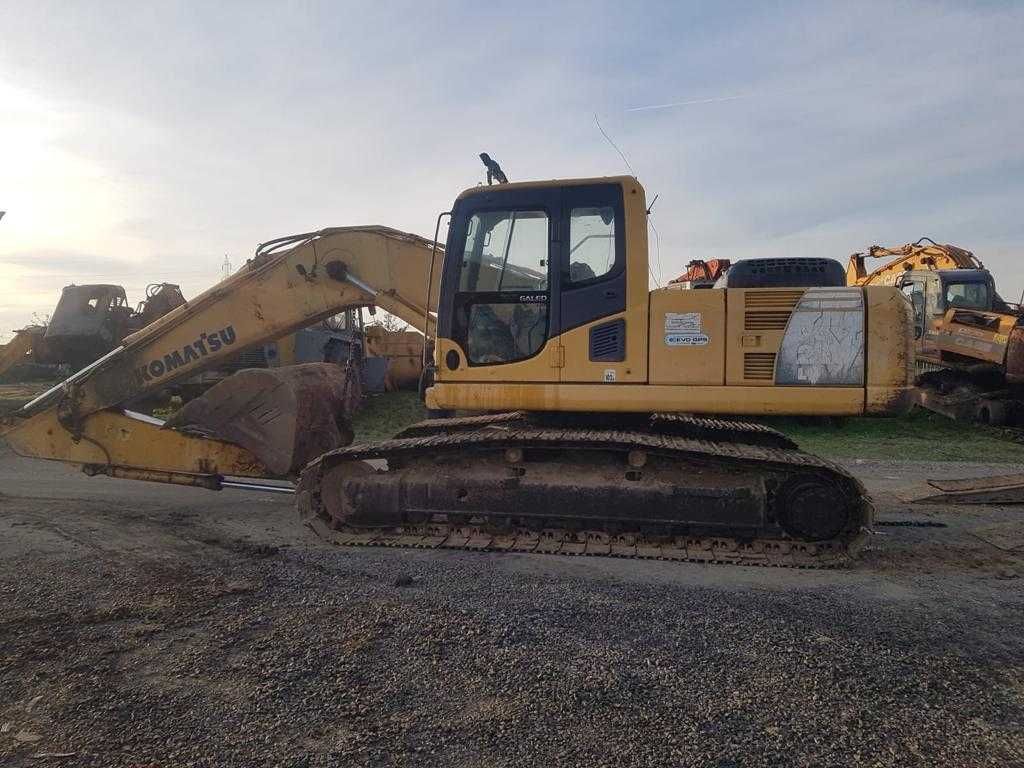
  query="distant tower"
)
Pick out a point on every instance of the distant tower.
point(225, 268)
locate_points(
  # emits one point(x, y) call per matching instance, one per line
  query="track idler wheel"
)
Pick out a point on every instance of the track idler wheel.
point(811, 509)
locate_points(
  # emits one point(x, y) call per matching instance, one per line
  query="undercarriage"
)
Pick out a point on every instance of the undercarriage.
point(663, 486)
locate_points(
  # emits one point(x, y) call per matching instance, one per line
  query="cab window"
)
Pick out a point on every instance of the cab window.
point(591, 243)
point(505, 251)
point(506, 258)
point(915, 292)
point(967, 296)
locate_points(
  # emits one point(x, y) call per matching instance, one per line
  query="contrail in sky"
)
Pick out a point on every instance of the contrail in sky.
point(713, 100)
point(734, 97)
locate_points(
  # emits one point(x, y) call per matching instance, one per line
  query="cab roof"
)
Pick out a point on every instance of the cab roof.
point(965, 275)
point(480, 189)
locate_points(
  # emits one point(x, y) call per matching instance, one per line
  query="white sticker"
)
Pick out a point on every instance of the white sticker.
point(683, 322)
point(686, 339)
point(609, 374)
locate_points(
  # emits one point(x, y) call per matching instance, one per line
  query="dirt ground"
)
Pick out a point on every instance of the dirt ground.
point(144, 625)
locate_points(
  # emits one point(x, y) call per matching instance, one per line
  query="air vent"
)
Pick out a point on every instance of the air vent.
point(785, 273)
point(769, 310)
point(759, 365)
point(608, 342)
point(770, 299)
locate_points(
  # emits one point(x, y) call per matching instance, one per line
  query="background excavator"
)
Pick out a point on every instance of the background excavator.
point(88, 321)
point(701, 274)
point(593, 394)
point(969, 347)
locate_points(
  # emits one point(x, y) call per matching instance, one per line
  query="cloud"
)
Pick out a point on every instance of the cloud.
point(195, 130)
point(60, 262)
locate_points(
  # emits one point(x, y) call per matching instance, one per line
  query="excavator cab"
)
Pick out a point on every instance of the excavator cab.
point(933, 293)
point(521, 260)
point(536, 272)
point(88, 322)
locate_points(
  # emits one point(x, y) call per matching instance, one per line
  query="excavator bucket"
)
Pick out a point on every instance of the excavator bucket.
point(285, 416)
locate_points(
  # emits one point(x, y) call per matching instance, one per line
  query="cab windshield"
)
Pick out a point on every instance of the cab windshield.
point(967, 296)
point(505, 251)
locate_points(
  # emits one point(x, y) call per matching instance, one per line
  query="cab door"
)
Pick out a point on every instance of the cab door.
point(499, 278)
point(601, 332)
point(914, 288)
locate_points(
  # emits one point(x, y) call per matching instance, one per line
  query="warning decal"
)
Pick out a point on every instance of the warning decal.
point(687, 322)
point(684, 329)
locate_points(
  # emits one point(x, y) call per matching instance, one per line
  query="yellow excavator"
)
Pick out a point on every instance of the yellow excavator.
point(969, 345)
point(591, 396)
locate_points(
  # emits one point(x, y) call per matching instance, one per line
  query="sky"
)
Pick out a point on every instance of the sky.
point(144, 142)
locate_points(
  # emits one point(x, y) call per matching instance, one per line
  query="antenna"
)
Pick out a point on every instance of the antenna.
point(225, 268)
point(614, 145)
point(650, 218)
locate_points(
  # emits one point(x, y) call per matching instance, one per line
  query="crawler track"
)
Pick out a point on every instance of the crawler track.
point(665, 486)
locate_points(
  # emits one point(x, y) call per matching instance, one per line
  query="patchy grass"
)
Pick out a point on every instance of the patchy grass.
point(921, 436)
point(384, 415)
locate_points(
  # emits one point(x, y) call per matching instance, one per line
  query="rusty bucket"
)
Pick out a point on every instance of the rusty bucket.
point(285, 416)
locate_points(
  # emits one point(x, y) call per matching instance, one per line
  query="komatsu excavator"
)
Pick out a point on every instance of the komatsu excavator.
point(592, 395)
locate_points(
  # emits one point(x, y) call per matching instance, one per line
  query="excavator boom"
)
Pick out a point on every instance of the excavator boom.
point(925, 254)
point(291, 283)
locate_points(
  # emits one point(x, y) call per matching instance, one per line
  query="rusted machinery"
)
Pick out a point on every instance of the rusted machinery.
point(596, 434)
point(969, 345)
point(88, 322)
point(701, 274)
point(403, 351)
point(18, 349)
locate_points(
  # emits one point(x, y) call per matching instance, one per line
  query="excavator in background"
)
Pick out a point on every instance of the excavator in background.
point(404, 352)
point(701, 274)
point(596, 403)
point(19, 349)
point(969, 346)
point(88, 322)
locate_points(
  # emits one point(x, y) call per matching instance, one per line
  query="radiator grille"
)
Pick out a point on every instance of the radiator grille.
point(769, 310)
point(759, 365)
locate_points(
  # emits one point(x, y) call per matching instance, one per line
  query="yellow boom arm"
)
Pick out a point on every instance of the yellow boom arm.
point(924, 254)
point(292, 283)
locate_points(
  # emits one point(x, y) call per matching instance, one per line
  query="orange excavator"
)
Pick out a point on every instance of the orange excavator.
point(701, 274)
point(969, 345)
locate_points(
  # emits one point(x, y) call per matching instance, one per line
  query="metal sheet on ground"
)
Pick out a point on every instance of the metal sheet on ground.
point(1008, 537)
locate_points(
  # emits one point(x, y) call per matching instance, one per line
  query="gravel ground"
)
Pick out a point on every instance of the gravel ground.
point(170, 627)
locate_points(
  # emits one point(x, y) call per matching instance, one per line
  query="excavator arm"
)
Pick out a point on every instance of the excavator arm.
point(280, 421)
point(925, 254)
